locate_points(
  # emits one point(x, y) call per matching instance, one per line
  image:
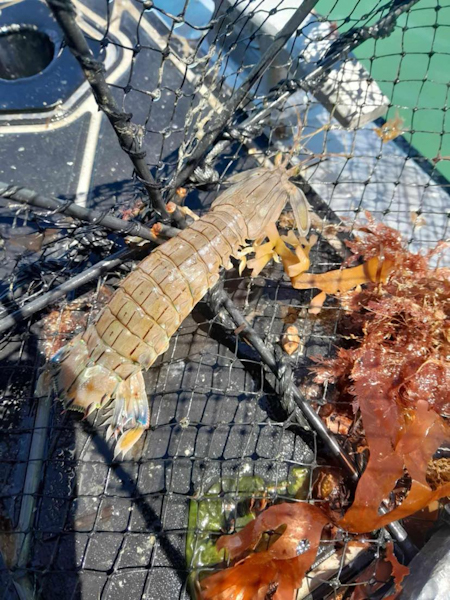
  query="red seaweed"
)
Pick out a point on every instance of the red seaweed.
point(397, 371)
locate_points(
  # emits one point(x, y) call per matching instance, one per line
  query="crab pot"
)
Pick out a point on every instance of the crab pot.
point(119, 106)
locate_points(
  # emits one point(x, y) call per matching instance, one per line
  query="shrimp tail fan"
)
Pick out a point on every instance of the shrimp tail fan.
point(87, 387)
point(131, 413)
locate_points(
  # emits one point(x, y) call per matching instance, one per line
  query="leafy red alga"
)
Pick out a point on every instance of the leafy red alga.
point(396, 440)
point(398, 372)
point(277, 570)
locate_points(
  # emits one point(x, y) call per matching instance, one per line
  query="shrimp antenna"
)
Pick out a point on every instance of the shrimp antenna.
point(299, 138)
point(296, 168)
point(296, 142)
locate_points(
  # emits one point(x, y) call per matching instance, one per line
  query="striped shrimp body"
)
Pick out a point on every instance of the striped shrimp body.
point(102, 368)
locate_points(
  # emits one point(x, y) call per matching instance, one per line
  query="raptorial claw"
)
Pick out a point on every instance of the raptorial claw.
point(241, 255)
point(276, 249)
point(300, 209)
point(342, 280)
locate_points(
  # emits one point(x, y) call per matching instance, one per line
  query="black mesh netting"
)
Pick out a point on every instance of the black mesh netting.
point(199, 90)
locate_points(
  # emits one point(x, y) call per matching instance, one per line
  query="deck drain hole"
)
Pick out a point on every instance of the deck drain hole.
point(24, 51)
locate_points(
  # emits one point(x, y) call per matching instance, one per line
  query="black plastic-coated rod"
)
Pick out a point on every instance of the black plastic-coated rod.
point(30, 308)
point(97, 217)
point(126, 131)
point(268, 356)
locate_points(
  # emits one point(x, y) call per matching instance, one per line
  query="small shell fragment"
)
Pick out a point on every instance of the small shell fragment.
point(290, 340)
point(391, 129)
point(417, 219)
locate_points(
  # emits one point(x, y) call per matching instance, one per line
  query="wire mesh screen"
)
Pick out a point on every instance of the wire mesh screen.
point(200, 90)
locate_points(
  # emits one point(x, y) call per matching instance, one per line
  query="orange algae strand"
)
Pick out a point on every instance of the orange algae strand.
point(399, 571)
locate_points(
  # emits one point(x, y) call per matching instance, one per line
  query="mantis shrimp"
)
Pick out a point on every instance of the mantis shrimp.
point(102, 368)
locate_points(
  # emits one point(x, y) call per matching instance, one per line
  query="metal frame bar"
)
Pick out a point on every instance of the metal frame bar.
point(31, 308)
point(126, 131)
point(71, 209)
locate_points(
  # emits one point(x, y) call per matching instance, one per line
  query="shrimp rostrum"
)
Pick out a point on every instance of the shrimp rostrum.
point(102, 368)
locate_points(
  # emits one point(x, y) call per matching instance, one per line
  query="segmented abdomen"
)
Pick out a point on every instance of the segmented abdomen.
point(150, 304)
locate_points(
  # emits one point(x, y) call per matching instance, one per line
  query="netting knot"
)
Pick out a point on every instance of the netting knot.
point(89, 63)
point(284, 376)
point(216, 301)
